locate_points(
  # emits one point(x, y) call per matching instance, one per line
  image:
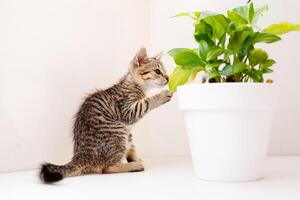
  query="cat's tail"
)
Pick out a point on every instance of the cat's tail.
point(51, 173)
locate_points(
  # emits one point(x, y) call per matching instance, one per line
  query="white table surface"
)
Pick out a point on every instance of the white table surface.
point(164, 178)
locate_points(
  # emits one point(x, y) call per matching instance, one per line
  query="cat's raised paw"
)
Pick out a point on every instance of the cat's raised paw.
point(166, 95)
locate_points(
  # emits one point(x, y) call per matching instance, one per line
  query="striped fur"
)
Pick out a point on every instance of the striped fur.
point(102, 138)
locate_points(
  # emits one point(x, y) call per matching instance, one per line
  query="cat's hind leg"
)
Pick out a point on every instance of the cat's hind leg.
point(131, 154)
point(135, 166)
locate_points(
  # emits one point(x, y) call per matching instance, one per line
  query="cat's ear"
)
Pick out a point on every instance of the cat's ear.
point(141, 57)
point(158, 56)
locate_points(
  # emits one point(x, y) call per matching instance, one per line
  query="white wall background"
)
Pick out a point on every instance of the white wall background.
point(53, 52)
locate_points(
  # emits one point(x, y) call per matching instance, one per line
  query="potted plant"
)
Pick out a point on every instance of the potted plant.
point(228, 118)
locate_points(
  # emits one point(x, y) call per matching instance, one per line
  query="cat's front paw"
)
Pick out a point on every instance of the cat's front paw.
point(166, 96)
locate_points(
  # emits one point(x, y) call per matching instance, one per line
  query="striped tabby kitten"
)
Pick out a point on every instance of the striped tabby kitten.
point(102, 137)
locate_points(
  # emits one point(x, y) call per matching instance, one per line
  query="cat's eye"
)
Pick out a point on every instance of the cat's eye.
point(144, 73)
point(157, 71)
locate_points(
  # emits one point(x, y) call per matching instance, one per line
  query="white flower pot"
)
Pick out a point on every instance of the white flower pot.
point(228, 126)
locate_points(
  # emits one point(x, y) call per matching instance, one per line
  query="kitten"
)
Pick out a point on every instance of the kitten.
point(102, 137)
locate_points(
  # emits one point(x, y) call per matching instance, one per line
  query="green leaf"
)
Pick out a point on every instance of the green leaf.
point(188, 59)
point(267, 64)
point(227, 70)
point(214, 74)
point(214, 64)
point(207, 14)
point(203, 31)
point(203, 49)
point(248, 45)
point(175, 51)
point(214, 53)
point(238, 20)
point(257, 56)
point(179, 76)
point(194, 74)
point(233, 27)
point(246, 12)
point(182, 14)
point(222, 40)
point(256, 75)
point(266, 37)
point(195, 15)
point(251, 12)
point(218, 23)
point(267, 70)
point(228, 53)
point(239, 67)
point(233, 69)
point(282, 28)
point(238, 37)
point(259, 13)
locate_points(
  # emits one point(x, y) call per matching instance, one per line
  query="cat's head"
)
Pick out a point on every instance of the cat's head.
point(148, 71)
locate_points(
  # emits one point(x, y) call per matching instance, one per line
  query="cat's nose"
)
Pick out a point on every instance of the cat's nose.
point(167, 78)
